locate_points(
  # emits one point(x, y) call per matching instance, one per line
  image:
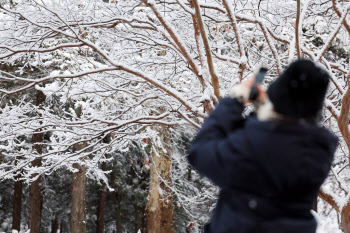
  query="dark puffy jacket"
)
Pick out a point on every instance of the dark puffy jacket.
point(269, 172)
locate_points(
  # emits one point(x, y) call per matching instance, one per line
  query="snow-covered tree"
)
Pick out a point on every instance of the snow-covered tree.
point(132, 66)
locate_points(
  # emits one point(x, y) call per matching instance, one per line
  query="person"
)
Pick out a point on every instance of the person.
point(270, 165)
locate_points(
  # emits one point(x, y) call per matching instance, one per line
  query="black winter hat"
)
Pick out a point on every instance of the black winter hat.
point(300, 90)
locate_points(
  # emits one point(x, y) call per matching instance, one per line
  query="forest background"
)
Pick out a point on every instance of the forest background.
point(99, 101)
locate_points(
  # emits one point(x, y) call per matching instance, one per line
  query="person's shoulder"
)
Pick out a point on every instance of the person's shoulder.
point(323, 133)
point(286, 128)
point(327, 137)
point(322, 138)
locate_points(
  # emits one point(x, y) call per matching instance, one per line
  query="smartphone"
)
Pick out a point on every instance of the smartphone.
point(254, 93)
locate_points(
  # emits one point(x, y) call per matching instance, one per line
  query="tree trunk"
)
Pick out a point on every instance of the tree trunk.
point(118, 215)
point(206, 46)
point(160, 209)
point(17, 205)
point(314, 207)
point(101, 205)
point(54, 225)
point(78, 210)
point(35, 186)
point(138, 219)
point(345, 218)
point(199, 43)
point(343, 124)
point(78, 214)
point(61, 227)
point(144, 222)
point(35, 202)
point(116, 197)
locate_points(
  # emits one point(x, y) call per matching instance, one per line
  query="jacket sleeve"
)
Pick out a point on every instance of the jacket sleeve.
point(218, 144)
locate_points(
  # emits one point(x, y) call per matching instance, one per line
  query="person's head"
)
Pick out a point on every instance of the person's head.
point(300, 90)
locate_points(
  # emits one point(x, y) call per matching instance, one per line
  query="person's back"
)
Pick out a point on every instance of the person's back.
point(269, 168)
